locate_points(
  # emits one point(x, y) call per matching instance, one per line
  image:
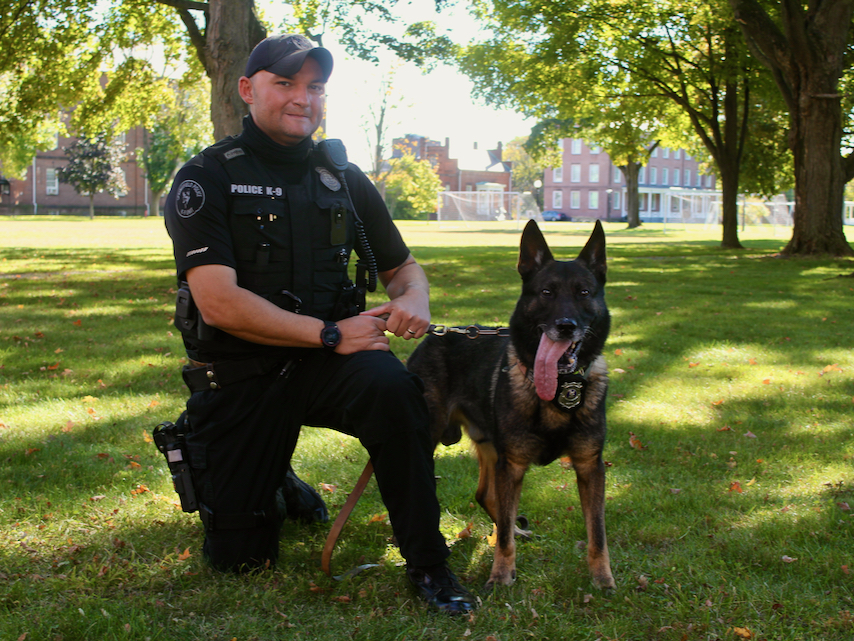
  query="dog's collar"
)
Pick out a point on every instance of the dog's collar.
point(570, 387)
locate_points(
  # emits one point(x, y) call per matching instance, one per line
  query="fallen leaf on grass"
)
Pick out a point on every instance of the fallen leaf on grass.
point(379, 518)
point(725, 428)
point(328, 487)
point(184, 555)
point(735, 486)
point(750, 434)
point(140, 489)
point(635, 442)
point(465, 533)
point(342, 599)
point(788, 559)
point(693, 365)
point(845, 570)
point(744, 633)
point(566, 462)
point(843, 505)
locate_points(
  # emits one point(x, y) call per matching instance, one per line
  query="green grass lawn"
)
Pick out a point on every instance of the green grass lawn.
point(730, 453)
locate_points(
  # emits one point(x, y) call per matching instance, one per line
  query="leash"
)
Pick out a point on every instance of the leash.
point(472, 331)
point(343, 515)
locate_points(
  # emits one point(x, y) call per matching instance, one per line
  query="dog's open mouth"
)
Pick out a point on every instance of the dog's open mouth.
point(553, 358)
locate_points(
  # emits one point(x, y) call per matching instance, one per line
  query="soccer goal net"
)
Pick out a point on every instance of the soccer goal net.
point(487, 205)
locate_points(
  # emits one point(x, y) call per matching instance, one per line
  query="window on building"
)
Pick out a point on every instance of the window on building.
point(709, 181)
point(593, 199)
point(687, 177)
point(557, 199)
point(665, 176)
point(575, 146)
point(643, 201)
point(51, 182)
point(655, 202)
point(615, 201)
point(642, 176)
point(699, 180)
point(618, 175)
point(593, 172)
point(676, 177)
point(596, 150)
point(560, 145)
point(654, 153)
point(575, 173)
point(665, 152)
point(557, 174)
point(124, 192)
point(653, 175)
point(575, 200)
point(677, 154)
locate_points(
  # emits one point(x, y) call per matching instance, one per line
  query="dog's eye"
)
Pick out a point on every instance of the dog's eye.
point(546, 293)
point(584, 293)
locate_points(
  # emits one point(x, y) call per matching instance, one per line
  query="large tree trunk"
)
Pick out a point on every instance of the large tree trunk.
point(815, 138)
point(806, 59)
point(631, 172)
point(233, 30)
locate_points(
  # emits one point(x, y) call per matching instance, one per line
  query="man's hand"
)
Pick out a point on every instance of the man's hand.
point(407, 312)
point(362, 333)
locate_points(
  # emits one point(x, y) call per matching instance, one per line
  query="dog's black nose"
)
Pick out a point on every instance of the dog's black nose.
point(566, 324)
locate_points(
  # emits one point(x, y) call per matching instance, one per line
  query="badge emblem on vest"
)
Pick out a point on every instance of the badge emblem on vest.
point(328, 179)
point(190, 198)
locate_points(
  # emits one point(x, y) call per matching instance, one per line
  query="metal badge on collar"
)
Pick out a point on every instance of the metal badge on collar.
point(328, 179)
point(569, 396)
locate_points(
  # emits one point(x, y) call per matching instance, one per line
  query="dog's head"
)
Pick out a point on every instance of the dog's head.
point(561, 321)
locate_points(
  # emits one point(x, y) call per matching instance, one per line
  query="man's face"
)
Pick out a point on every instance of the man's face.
point(288, 110)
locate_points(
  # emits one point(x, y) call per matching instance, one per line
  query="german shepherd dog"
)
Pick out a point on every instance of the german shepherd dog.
point(532, 397)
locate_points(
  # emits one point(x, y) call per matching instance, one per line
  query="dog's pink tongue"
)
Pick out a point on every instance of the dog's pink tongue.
point(545, 366)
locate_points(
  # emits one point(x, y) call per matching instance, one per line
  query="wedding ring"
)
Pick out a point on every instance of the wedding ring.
point(411, 332)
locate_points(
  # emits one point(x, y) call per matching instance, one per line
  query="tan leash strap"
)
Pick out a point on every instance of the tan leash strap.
point(343, 515)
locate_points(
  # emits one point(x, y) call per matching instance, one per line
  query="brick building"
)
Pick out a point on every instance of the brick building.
point(40, 192)
point(589, 185)
point(474, 169)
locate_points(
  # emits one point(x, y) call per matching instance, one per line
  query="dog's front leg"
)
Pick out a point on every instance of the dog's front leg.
point(507, 488)
point(590, 471)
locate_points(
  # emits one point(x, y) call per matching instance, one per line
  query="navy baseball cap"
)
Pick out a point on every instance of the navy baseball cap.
point(285, 54)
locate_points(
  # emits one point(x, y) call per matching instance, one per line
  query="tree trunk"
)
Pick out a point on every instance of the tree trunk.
point(631, 172)
point(91, 206)
point(155, 202)
point(729, 206)
point(232, 31)
point(806, 58)
point(728, 160)
point(815, 138)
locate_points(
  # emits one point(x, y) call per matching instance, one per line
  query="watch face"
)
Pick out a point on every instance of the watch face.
point(331, 335)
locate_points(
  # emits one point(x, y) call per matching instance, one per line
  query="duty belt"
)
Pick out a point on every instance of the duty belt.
point(200, 377)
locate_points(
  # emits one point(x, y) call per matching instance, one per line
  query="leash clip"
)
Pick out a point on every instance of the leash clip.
point(437, 330)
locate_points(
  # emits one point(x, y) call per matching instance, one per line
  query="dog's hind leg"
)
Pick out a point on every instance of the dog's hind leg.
point(590, 471)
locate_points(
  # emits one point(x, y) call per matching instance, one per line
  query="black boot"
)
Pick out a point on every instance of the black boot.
point(441, 589)
point(298, 501)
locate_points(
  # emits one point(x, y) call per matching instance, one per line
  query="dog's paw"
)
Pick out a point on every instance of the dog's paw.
point(604, 582)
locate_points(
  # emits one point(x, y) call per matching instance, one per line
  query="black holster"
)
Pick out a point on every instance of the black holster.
point(170, 439)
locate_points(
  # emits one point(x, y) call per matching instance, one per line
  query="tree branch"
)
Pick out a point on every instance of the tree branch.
point(187, 5)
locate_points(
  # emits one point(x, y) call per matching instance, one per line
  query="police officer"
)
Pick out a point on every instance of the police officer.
point(263, 225)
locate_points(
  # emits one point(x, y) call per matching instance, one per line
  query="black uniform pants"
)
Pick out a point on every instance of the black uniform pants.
point(242, 437)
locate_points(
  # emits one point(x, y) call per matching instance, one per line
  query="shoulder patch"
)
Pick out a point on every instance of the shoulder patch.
point(234, 153)
point(328, 179)
point(190, 198)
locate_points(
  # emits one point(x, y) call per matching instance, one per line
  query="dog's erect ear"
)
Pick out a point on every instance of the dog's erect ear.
point(534, 253)
point(593, 254)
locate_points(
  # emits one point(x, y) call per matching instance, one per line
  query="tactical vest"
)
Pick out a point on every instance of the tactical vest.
point(292, 242)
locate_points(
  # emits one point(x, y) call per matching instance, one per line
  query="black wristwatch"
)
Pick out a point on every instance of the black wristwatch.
point(330, 335)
